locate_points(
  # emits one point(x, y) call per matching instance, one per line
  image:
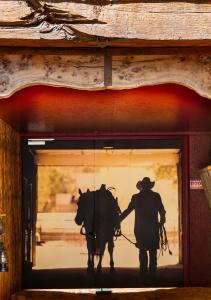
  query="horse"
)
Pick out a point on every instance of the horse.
point(99, 215)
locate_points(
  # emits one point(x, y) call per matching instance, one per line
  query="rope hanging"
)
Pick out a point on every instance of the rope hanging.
point(164, 245)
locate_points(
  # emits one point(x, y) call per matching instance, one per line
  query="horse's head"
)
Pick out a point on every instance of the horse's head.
point(81, 211)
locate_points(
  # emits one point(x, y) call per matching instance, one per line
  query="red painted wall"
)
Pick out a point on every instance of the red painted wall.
point(162, 108)
point(199, 214)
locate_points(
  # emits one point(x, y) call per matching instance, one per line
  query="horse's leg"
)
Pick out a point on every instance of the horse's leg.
point(101, 252)
point(90, 262)
point(110, 251)
point(90, 248)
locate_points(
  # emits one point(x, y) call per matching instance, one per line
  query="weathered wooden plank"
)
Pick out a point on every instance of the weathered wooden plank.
point(153, 26)
point(11, 11)
point(88, 21)
point(192, 71)
point(99, 8)
point(88, 71)
point(82, 72)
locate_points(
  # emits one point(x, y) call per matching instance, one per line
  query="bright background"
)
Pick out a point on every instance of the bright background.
point(62, 172)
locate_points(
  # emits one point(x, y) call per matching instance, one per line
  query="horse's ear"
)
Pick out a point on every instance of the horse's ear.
point(88, 190)
point(80, 192)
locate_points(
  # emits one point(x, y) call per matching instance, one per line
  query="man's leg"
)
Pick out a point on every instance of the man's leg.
point(153, 262)
point(143, 259)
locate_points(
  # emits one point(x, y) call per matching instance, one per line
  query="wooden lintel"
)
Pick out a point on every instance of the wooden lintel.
point(109, 68)
point(109, 51)
point(46, 23)
point(110, 42)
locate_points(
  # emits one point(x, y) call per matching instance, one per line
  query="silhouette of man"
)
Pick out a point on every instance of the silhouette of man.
point(147, 205)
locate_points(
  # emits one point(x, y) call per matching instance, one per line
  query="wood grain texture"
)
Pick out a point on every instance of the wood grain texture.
point(10, 204)
point(192, 71)
point(82, 72)
point(90, 72)
point(120, 19)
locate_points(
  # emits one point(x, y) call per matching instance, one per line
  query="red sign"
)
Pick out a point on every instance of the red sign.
point(196, 184)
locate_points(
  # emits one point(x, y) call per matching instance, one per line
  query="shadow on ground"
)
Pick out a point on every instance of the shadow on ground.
point(122, 277)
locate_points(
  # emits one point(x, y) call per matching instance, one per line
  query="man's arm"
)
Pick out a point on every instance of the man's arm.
point(161, 211)
point(127, 211)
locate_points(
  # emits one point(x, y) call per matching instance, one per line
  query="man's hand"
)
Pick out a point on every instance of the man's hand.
point(162, 221)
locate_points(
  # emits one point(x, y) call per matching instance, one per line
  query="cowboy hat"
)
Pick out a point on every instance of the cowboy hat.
point(145, 183)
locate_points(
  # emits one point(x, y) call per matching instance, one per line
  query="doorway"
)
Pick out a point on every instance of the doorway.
point(56, 245)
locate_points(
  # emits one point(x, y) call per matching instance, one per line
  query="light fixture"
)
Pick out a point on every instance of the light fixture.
point(39, 141)
point(36, 143)
point(3, 258)
point(3, 253)
point(108, 147)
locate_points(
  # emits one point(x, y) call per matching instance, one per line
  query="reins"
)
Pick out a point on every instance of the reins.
point(119, 233)
point(164, 244)
point(163, 240)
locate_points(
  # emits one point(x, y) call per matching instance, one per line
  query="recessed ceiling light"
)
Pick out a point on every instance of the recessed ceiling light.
point(108, 147)
point(36, 143)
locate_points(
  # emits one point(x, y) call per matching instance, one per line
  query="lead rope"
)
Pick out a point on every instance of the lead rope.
point(119, 233)
point(164, 244)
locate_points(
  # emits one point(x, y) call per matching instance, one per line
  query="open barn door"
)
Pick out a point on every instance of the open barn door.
point(83, 203)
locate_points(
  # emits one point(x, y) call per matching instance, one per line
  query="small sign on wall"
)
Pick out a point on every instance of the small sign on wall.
point(196, 184)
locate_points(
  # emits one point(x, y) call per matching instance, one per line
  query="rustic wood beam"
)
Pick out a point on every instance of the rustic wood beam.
point(97, 43)
point(104, 70)
point(114, 23)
